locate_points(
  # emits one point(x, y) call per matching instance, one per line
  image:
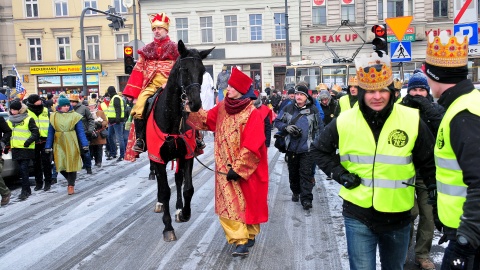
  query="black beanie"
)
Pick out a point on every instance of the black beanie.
point(33, 98)
point(446, 74)
point(16, 105)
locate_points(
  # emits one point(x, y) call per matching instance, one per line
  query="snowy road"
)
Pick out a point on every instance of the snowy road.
point(110, 224)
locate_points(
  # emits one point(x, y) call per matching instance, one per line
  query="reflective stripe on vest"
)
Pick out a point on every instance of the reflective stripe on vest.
point(344, 103)
point(20, 133)
point(42, 121)
point(451, 189)
point(111, 108)
point(383, 167)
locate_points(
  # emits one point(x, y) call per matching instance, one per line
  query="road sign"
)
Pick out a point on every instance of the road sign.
point(401, 51)
point(464, 11)
point(468, 29)
point(409, 35)
point(128, 50)
point(399, 25)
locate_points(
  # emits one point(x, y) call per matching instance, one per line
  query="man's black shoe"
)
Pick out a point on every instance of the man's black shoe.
point(307, 205)
point(240, 251)
point(295, 197)
point(250, 243)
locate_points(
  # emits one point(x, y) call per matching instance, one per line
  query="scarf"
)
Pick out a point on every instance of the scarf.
point(234, 106)
point(36, 109)
point(18, 118)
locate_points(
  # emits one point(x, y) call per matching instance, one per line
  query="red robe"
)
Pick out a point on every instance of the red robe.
point(239, 141)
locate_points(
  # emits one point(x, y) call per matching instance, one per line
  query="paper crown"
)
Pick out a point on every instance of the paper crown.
point(159, 20)
point(353, 81)
point(397, 83)
point(337, 88)
point(374, 72)
point(321, 86)
point(74, 97)
point(446, 51)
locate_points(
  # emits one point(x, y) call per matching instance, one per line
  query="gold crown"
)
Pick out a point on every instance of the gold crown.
point(337, 88)
point(374, 72)
point(353, 81)
point(397, 83)
point(321, 86)
point(446, 51)
point(159, 20)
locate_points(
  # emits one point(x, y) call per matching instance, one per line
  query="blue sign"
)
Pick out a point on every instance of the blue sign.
point(401, 51)
point(468, 29)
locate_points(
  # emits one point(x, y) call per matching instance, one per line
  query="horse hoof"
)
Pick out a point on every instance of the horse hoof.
point(169, 236)
point(179, 217)
point(158, 208)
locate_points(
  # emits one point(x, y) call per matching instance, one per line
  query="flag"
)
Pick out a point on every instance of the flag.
point(20, 91)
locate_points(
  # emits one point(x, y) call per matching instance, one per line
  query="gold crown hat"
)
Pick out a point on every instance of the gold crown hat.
point(446, 51)
point(353, 81)
point(321, 86)
point(374, 72)
point(397, 83)
point(159, 20)
point(337, 88)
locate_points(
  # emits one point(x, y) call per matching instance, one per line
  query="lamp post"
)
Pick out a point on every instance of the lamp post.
point(287, 36)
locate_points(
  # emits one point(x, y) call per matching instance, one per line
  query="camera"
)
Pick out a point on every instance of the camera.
point(296, 133)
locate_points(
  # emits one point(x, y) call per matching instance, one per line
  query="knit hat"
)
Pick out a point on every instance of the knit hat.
point(240, 81)
point(291, 91)
point(15, 105)
point(33, 98)
point(301, 89)
point(324, 94)
point(62, 101)
point(418, 80)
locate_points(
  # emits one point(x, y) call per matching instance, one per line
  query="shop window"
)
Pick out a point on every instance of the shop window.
point(206, 28)
point(440, 8)
point(319, 15)
point(64, 50)
point(280, 30)
point(92, 4)
point(61, 8)
point(120, 41)
point(348, 13)
point(35, 48)
point(231, 28)
point(31, 8)
point(93, 48)
point(255, 27)
point(119, 7)
point(182, 29)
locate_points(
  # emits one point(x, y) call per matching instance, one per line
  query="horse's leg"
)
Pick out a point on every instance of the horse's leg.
point(163, 196)
point(159, 205)
point(188, 190)
point(151, 176)
point(179, 183)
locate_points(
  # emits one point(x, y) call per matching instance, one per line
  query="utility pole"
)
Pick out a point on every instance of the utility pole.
point(287, 37)
point(135, 46)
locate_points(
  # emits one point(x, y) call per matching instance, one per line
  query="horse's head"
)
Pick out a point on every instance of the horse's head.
point(191, 71)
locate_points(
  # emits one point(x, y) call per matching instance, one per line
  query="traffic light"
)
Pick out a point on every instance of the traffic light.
point(380, 41)
point(11, 81)
point(128, 60)
point(116, 23)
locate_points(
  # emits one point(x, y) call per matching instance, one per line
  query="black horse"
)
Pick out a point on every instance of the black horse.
point(169, 118)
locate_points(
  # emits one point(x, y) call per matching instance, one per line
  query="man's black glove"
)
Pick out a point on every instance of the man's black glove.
point(409, 102)
point(26, 144)
point(462, 256)
point(232, 175)
point(432, 200)
point(350, 180)
point(85, 150)
point(291, 128)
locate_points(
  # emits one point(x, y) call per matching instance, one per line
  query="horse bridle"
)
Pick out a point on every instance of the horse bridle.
point(183, 96)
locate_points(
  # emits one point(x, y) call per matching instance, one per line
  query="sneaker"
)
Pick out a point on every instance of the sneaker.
point(425, 263)
point(70, 190)
point(240, 251)
point(295, 197)
point(119, 159)
point(6, 199)
point(306, 205)
point(250, 243)
point(89, 170)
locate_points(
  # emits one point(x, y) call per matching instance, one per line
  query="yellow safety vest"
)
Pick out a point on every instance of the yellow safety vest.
point(383, 167)
point(111, 108)
point(344, 103)
point(451, 189)
point(20, 133)
point(42, 121)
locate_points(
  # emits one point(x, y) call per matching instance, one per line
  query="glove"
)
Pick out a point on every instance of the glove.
point(26, 144)
point(350, 180)
point(432, 200)
point(48, 150)
point(408, 101)
point(232, 175)
point(85, 150)
point(461, 256)
point(291, 128)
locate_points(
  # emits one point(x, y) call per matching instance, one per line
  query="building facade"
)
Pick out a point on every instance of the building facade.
point(48, 44)
point(7, 40)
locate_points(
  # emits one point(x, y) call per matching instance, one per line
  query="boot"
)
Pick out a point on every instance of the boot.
point(23, 195)
point(38, 186)
point(6, 198)
point(89, 170)
point(70, 190)
point(47, 186)
point(140, 134)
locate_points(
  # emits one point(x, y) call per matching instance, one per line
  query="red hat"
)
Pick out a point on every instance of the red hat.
point(240, 81)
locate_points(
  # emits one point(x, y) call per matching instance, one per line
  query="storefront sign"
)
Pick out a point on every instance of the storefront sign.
point(91, 68)
point(409, 35)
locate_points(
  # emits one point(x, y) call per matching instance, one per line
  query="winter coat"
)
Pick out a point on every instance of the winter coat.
point(87, 118)
point(330, 111)
point(101, 121)
point(5, 133)
point(66, 136)
point(24, 153)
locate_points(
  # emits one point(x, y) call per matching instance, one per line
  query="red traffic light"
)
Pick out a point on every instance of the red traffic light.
point(378, 30)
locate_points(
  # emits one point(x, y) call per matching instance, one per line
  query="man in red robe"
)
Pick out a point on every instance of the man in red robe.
point(241, 178)
point(151, 71)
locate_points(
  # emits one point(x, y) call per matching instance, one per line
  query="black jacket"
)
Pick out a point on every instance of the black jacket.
point(5, 133)
point(330, 110)
point(327, 159)
point(465, 141)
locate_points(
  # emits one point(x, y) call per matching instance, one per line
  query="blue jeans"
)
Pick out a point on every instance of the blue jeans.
point(24, 173)
point(87, 160)
point(115, 134)
point(362, 245)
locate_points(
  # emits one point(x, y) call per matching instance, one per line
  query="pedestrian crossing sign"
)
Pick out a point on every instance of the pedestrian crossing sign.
point(401, 51)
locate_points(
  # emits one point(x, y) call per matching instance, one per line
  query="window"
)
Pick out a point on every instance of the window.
point(64, 51)
point(231, 28)
point(319, 15)
point(280, 30)
point(31, 6)
point(93, 48)
point(61, 8)
point(119, 7)
point(206, 27)
point(348, 13)
point(92, 4)
point(120, 40)
point(394, 8)
point(440, 8)
point(380, 10)
point(255, 26)
point(182, 29)
point(35, 48)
